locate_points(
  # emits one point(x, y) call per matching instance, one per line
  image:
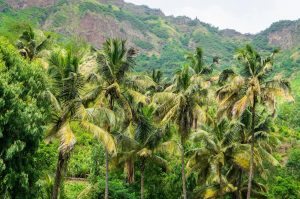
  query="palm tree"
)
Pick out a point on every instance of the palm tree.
point(265, 142)
point(252, 86)
point(218, 147)
point(181, 103)
point(68, 105)
point(157, 76)
point(143, 143)
point(197, 62)
point(65, 100)
point(225, 149)
point(114, 61)
point(28, 45)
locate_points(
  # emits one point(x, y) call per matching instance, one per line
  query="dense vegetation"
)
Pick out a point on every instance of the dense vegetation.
point(77, 122)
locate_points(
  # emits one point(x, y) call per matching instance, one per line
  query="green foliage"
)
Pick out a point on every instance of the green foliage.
point(117, 189)
point(293, 163)
point(23, 115)
point(80, 163)
point(27, 165)
point(74, 188)
point(143, 44)
point(284, 186)
point(171, 59)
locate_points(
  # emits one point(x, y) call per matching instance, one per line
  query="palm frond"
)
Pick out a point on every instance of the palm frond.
point(171, 147)
point(67, 138)
point(101, 134)
point(159, 161)
point(225, 75)
point(240, 106)
point(137, 97)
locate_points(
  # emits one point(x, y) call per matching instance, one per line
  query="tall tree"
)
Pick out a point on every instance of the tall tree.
point(65, 100)
point(23, 118)
point(182, 104)
point(225, 151)
point(266, 140)
point(143, 142)
point(253, 86)
point(115, 60)
point(218, 147)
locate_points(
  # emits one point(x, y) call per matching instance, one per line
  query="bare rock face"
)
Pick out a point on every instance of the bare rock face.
point(283, 38)
point(284, 34)
point(96, 28)
point(21, 4)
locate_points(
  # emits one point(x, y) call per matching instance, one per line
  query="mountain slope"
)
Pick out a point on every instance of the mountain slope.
point(162, 40)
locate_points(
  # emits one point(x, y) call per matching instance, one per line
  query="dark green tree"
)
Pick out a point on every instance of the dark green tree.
point(22, 118)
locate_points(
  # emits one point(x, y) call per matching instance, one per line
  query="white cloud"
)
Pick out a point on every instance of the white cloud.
point(243, 15)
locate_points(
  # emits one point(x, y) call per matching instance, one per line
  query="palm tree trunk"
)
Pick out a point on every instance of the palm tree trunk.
point(238, 185)
point(106, 174)
point(111, 106)
point(196, 122)
point(221, 182)
point(61, 164)
point(142, 178)
point(130, 171)
point(183, 171)
point(252, 149)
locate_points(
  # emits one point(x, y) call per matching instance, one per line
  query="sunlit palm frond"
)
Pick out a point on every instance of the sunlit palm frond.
point(171, 147)
point(170, 115)
point(266, 156)
point(67, 138)
point(162, 97)
point(240, 106)
point(53, 101)
point(92, 95)
point(101, 134)
point(137, 97)
point(141, 82)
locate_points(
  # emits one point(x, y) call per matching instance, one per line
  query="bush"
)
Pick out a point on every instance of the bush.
point(294, 163)
point(284, 187)
point(117, 190)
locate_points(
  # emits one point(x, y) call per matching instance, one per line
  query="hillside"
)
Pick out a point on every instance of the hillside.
point(162, 40)
point(81, 116)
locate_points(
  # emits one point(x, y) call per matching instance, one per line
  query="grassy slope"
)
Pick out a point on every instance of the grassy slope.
point(162, 41)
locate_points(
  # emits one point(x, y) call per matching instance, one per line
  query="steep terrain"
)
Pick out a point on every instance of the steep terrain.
point(162, 40)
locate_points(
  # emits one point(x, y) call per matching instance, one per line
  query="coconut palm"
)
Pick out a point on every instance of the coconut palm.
point(182, 103)
point(157, 76)
point(114, 62)
point(28, 45)
point(99, 120)
point(225, 149)
point(266, 141)
point(253, 86)
point(65, 100)
point(218, 145)
point(143, 142)
point(197, 62)
point(68, 106)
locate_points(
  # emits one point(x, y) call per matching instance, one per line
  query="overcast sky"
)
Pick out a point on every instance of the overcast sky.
point(246, 16)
